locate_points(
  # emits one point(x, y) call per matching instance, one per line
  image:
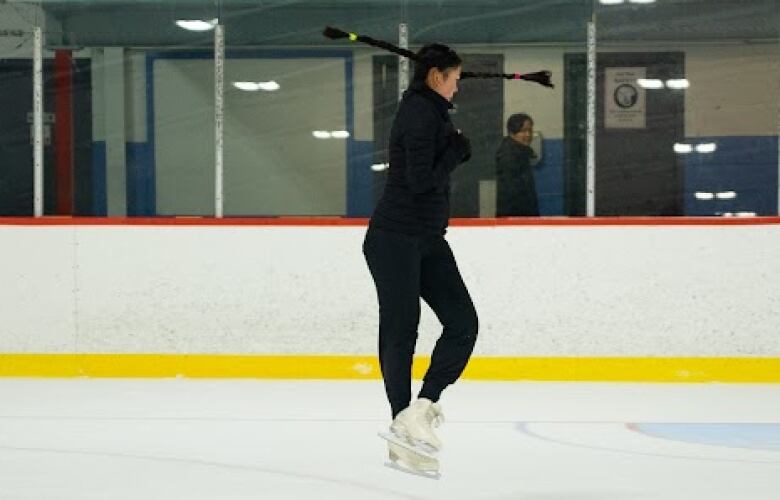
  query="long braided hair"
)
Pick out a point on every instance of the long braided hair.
point(450, 58)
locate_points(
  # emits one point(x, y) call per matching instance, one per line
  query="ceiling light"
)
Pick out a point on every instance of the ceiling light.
point(682, 148)
point(678, 83)
point(196, 24)
point(247, 86)
point(650, 83)
point(255, 86)
point(706, 147)
point(726, 195)
point(269, 86)
point(321, 134)
point(704, 196)
point(339, 134)
point(378, 167)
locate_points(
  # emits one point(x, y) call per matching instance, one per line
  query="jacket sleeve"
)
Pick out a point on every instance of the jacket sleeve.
point(424, 170)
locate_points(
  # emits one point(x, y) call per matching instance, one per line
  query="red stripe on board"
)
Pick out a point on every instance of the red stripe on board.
point(63, 131)
point(619, 221)
point(182, 221)
point(343, 221)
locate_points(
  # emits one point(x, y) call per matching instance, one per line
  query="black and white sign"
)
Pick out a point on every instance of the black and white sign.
point(624, 99)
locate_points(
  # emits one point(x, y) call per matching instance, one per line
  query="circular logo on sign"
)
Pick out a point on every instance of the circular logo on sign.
point(626, 96)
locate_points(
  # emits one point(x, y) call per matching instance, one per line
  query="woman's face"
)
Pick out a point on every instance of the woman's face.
point(444, 83)
point(525, 135)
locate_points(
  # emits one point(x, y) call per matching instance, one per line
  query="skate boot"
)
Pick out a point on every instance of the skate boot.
point(414, 426)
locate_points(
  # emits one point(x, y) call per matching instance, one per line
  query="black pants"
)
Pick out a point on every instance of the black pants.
point(404, 269)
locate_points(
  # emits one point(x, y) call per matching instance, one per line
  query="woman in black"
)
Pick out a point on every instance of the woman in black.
point(515, 185)
point(407, 254)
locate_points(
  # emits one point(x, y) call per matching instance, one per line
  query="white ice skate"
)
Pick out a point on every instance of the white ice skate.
point(413, 428)
point(406, 460)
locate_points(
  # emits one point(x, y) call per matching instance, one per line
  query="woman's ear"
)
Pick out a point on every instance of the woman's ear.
point(433, 76)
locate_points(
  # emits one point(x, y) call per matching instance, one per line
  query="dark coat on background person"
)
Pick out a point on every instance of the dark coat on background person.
point(515, 185)
point(424, 149)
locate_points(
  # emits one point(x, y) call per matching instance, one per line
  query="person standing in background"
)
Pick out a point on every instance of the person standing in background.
point(515, 185)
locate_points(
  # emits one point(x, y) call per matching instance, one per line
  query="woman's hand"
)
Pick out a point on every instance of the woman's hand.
point(462, 146)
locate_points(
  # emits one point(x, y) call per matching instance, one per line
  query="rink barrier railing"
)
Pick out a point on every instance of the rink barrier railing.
point(606, 369)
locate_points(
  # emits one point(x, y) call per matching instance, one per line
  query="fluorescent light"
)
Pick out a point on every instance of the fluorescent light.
point(611, 2)
point(726, 195)
point(196, 24)
point(269, 86)
point(706, 147)
point(333, 134)
point(704, 196)
point(653, 83)
point(650, 83)
point(378, 167)
point(255, 86)
point(678, 83)
point(641, 1)
point(247, 86)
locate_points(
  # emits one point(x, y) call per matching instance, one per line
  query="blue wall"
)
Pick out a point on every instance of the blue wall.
point(360, 178)
point(746, 165)
point(140, 185)
point(548, 175)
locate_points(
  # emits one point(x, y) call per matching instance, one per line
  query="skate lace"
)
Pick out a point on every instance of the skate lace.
point(435, 415)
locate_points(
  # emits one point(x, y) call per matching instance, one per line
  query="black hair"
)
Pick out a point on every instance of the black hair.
point(434, 55)
point(516, 122)
point(445, 59)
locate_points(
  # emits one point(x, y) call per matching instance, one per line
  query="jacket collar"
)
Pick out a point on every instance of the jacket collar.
point(442, 104)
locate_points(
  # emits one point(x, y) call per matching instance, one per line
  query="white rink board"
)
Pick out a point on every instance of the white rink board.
point(539, 290)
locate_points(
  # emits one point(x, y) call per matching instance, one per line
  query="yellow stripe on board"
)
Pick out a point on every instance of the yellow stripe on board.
point(613, 369)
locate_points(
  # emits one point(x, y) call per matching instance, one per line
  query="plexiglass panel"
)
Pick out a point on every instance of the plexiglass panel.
point(688, 107)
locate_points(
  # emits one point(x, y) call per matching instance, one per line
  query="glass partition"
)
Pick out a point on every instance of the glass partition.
point(525, 136)
point(687, 114)
point(16, 103)
point(317, 143)
point(141, 107)
point(300, 108)
point(686, 106)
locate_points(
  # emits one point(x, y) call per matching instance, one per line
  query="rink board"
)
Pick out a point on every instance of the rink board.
point(669, 299)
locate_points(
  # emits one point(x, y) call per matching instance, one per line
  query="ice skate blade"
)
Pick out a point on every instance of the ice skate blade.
point(426, 452)
point(426, 474)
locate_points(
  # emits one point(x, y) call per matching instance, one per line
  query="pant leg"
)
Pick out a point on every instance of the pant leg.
point(394, 262)
point(442, 287)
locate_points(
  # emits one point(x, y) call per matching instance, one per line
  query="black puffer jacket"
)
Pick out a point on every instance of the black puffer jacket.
point(424, 149)
point(515, 185)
